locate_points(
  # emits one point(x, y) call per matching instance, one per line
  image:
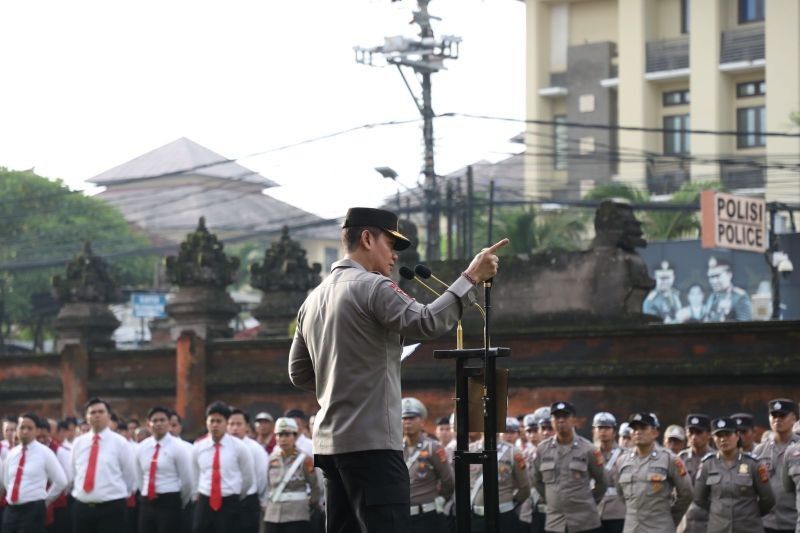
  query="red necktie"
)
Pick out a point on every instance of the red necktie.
point(88, 482)
point(18, 477)
point(151, 483)
point(215, 499)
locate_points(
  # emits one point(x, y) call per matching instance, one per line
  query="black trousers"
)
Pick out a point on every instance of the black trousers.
point(226, 520)
point(612, 526)
point(506, 522)
point(431, 522)
point(366, 492)
point(162, 515)
point(106, 517)
point(25, 518)
point(250, 514)
point(288, 527)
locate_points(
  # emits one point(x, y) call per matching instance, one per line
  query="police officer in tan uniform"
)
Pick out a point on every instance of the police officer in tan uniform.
point(532, 511)
point(347, 348)
point(292, 483)
point(746, 430)
point(612, 506)
point(653, 482)
point(732, 485)
point(791, 475)
point(430, 472)
point(564, 467)
point(772, 453)
point(698, 429)
point(512, 483)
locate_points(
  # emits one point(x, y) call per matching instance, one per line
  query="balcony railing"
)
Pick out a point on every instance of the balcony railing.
point(745, 43)
point(666, 175)
point(748, 174)
point(669, 54)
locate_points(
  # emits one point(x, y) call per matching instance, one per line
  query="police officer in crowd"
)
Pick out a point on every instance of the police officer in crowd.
point(652, 481)
point(698, 428)
point(250, 514)
point(565, 465)
point(612, 506)
point(513, 487)
point(347, 348)
point(790, 475)
point(292, 481)
point(772, 453)
point(675, 439)
point(625, 436)
point(746, 430)
point(428, 469)
point(532, 511)
point(732, 485)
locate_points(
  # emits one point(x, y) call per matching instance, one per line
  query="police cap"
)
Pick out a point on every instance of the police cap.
point(698, 421)
point(377, 218)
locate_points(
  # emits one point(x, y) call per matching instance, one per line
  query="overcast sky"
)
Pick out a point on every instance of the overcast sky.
point(88, 85)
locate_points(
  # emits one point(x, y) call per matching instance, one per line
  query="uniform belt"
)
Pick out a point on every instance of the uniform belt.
point(423, 508)
point(504, 508)
point(293, 497)
point(611, 491)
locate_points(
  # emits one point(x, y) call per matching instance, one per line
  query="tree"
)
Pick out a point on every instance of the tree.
point(41, 222)
point(533, 230)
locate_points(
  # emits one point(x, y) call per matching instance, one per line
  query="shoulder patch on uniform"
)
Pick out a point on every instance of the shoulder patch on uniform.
point(680, 467)
point(707, 457)
point(396, 288)
point(520, 460)
point(598, 457)
point(763, 474)
point(309, 464)
point(441, 454)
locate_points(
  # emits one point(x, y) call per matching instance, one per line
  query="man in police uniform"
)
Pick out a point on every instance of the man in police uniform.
point(726, 303)
point(664, 301)
point(612, 506)
point(653, 482)
point(790, 475)
point(772, 452)
point(731, 485)
point(746, 430)
point(698, 429)
point(675, 439)
point(564, 467)
point(512, 483)
point(347, 348)
point(430, 472)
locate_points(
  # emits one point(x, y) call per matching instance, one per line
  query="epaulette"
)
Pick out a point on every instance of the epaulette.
point(706, 457)
point(748, 455)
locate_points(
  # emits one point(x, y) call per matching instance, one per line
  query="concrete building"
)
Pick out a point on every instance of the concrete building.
point(719, 65)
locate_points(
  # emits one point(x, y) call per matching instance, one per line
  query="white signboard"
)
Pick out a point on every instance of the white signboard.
point(734, 222)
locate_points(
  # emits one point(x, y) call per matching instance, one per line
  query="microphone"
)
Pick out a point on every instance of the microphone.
point(425, 273)
point(409, 274)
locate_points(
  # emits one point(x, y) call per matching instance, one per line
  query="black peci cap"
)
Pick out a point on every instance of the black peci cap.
point(377, 218)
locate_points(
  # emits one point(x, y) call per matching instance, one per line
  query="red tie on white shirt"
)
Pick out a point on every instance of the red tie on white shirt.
point(88, 482)
point(215, 498)
point(151, 482)
point(18, 477)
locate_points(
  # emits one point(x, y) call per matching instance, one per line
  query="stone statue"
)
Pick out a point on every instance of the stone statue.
point(616, 227)
point(285, 268)
point(201, 261)
point(88, 278)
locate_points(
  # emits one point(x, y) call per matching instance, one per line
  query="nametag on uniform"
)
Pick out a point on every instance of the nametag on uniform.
point(743, 469)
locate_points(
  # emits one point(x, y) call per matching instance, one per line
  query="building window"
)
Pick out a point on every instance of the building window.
point(751, 11)
point(750, 127)
point(331, 256)
point(751, 88)
point(676, 98)
point(685, 16)
point(560, 142)
point(676, 138)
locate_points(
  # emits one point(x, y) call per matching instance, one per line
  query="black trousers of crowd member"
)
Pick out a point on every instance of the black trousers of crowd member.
point(162, 515)
point(506, 522)
point(366, 492)
point(612, 526)
point(250, 514)
point(770, 530)
point(431, 522)
point(25, 517)
point(538, 521)
point(106, 517)
point(226, 520)
point(288, 527)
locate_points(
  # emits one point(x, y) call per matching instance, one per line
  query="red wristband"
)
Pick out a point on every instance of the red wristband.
point(469, 278)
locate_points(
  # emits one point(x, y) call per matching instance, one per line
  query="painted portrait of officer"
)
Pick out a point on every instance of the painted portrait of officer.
point(664, 301)
point(726, 302)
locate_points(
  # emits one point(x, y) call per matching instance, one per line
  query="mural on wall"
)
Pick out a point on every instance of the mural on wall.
point(694, 284)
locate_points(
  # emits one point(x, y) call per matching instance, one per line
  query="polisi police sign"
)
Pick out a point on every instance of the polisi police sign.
point(734, 222)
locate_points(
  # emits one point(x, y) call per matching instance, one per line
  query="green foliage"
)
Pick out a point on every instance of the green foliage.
point(43, 221)
point(533, 230)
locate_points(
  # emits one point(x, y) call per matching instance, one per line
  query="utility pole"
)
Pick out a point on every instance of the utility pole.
point(424, 56)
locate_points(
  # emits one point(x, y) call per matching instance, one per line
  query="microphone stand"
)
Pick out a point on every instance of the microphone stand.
point(491, 496)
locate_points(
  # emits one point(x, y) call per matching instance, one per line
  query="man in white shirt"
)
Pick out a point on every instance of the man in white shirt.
point(164, 469)
point(223, 473)
point(28, 469)
point(105, 475)
point(238, 424)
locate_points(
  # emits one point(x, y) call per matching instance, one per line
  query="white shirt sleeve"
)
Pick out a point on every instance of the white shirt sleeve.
point(56, 476)
point(183, 464)
point(245, 460)
point(126, 464)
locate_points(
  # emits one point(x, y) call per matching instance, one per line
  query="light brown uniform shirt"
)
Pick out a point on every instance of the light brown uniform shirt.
point(736, 496)
point(429, 470)
point(696, 518)
point(347, 348)
point(512, 478)
point(647, 483)
point(791, 475)
point(289, 507)
point(562, 475)
point(772, 455)
point(612, 506)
